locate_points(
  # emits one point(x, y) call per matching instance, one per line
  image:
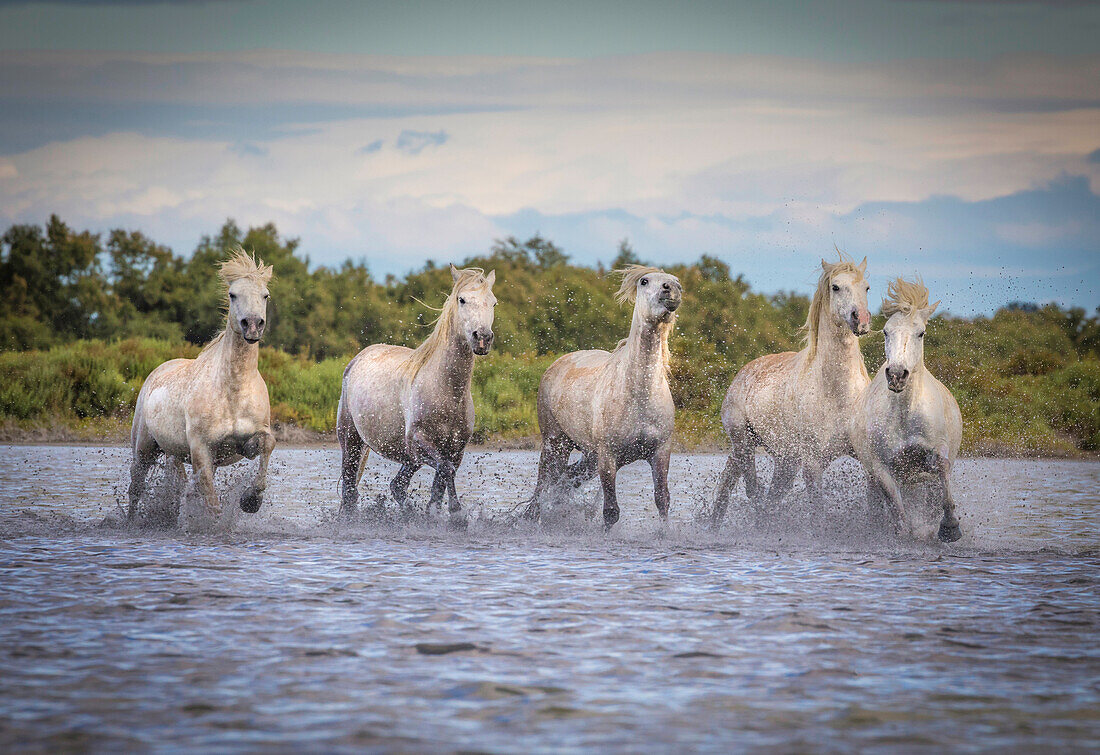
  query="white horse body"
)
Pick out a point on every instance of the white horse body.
point(614, 407)
point(213, 410)
point(797, 404)
point(907, 426)
point(414, 406)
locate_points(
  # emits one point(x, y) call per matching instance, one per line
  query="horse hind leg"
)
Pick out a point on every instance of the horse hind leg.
point(581, 471)
point(553, 464)
point(782, 478)
point(399, 485)
point(353, 459)
point(739, 464)
point(146, 452)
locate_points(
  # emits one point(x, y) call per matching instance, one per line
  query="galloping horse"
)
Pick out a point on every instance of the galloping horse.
point(213, 410)
point(616, 407)
point(797, 404)
point(907, 426)
point(414, 406)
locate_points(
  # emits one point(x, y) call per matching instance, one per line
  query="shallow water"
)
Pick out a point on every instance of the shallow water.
point(296, 630)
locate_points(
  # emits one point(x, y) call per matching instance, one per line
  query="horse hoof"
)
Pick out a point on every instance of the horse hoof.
point(250, 501)
point(610, 517)
point(949, 533)
point(457, 522)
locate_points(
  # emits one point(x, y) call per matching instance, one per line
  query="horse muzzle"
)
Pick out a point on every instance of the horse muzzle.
point(481, 342)
point(252, 329)
point(671, 303)
point(860, 322)
point(896, 379)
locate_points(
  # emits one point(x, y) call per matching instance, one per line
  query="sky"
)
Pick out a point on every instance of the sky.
point(957, 140)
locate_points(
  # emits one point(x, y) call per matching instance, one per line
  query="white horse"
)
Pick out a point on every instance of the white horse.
point(797, 404)
point(414, 406)
point(616, 407)
point(907, 427)
point(213, 410)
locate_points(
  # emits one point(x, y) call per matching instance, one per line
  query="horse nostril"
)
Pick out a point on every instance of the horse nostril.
point(244, 323)
point(260, 323)
point(667, 286)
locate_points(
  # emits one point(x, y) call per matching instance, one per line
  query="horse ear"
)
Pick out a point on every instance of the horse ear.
point(824, 264)
point(454, 272)
point(491, 278)
point(863, 266)
point(927, 311)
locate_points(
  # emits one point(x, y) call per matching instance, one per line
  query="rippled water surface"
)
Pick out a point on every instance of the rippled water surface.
point(297, 630)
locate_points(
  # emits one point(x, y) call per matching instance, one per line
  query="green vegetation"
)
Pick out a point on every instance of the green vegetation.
point(83, 321)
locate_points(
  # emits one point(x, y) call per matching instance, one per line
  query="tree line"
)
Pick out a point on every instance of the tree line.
point(59, 285)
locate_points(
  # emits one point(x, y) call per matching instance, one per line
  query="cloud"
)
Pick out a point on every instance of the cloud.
point(248, 149)
point(415, 142)
point(763, 161)
point(1094, 157)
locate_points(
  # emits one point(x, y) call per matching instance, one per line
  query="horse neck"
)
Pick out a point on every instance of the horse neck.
point(644, 354)
point(236, 357)
point(838, 361)
point(452, 366)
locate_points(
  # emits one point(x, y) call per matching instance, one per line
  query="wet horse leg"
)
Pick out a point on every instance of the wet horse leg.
point(887, 489)
point(552, 465)
point(202, 473)
point(253, 498)
point(812, 472)
point(352, 458)
point(582, 470)
point(422, 446)
point(453, 504)
point(949, 527)
point(659, 465)
point(608, 468)
point(399, 485)
point(146, 452)
point(782, 478)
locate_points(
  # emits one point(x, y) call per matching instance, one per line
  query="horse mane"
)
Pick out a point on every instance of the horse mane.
point(445, 323)
point(628, 292)
point(238, 266)
point(905, 296)
point(829, 270)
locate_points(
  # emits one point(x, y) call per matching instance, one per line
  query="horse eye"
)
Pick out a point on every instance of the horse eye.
point(645, 281)
point(461, 300)
point(232, 296)
point(921, 334)
point(836, 287)
point(267, 296)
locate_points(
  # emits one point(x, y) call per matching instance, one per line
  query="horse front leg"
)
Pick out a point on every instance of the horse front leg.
point(202, 477)
point(949, 527)
point(812, 472)
point(422, 446)
point(887, 489)
point(608, 468)
point(253, 498)
point(658, 464)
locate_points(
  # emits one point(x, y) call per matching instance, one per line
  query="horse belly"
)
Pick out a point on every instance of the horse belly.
point(166, 421)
